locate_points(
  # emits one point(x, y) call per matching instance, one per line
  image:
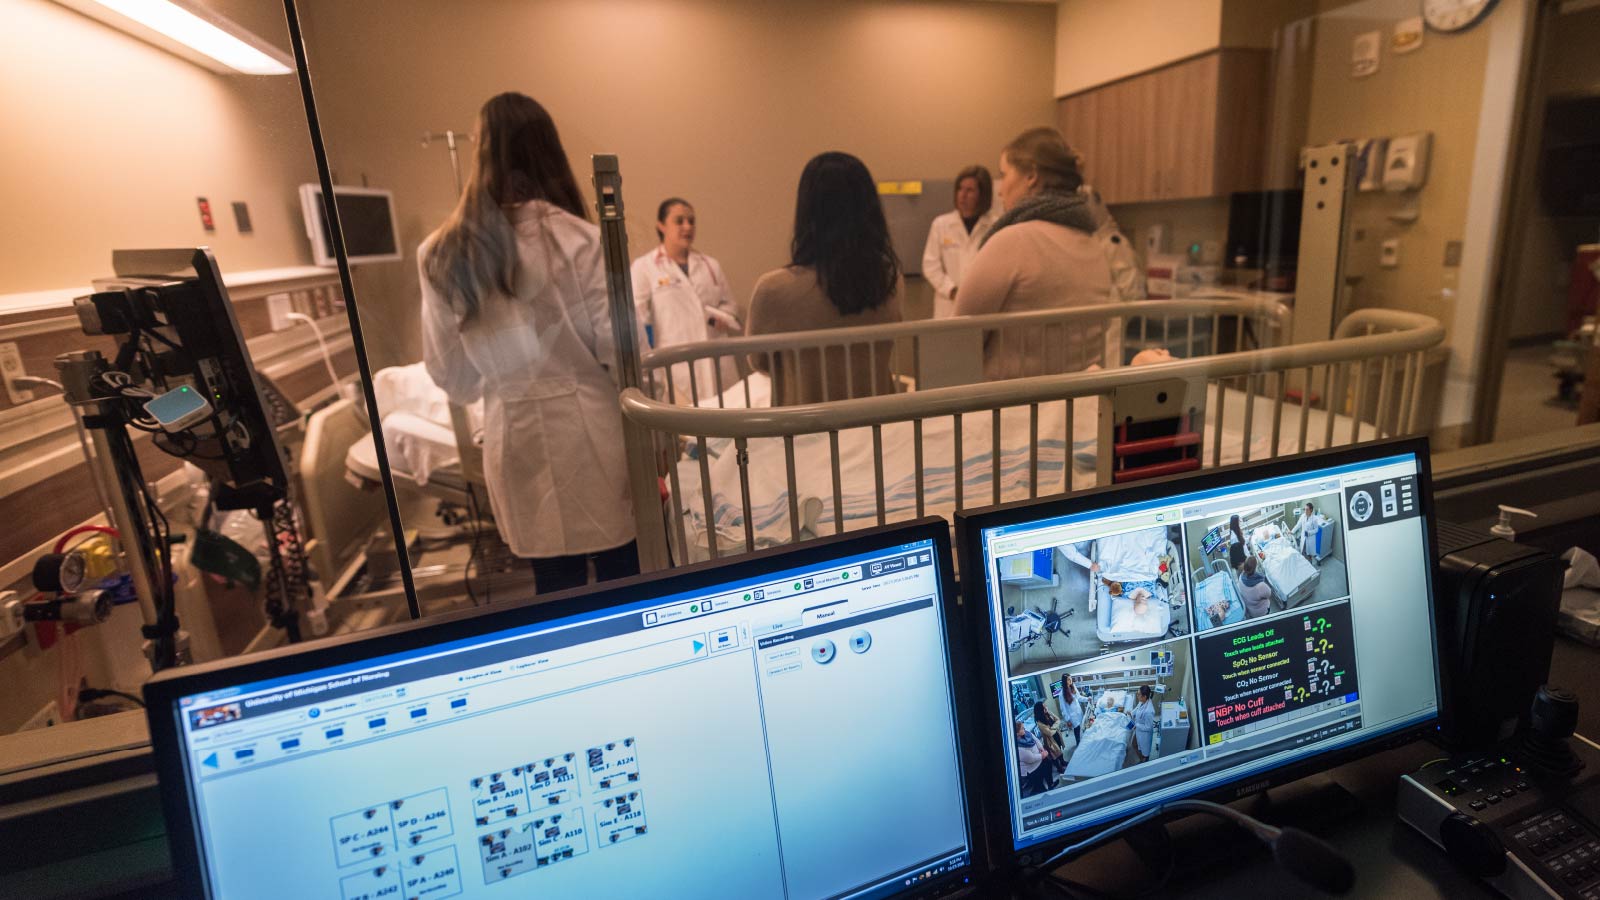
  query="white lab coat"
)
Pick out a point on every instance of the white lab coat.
point(672, 306)
point(553, 452)
point(1073, 711)
point(949, 250)
point(1144, 725)
point(1306, 525)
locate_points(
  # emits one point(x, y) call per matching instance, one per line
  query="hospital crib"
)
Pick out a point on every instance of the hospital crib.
point(750, 475)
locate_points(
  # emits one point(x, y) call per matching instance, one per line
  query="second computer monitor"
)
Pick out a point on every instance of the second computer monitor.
point(1205, 635)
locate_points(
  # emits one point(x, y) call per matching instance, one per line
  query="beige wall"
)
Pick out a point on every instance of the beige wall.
point(719, 102)
point(108, 142)
point(1097, 42)
point(1438, 88)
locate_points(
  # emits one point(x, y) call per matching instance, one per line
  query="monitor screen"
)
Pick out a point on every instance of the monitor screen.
point(366, 218)
point(1159, 642)
point(787, 733)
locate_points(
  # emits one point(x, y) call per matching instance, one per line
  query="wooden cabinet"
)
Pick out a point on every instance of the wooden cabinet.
point(1192, 129)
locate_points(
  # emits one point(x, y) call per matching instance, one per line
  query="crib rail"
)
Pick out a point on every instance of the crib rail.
point(846, 363)
point(1366, 383)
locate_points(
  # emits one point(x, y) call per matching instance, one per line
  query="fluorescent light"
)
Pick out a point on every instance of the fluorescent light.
point(189, 29)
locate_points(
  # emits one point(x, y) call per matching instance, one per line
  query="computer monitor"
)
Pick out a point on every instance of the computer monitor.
point(180, 293)
point(366, 217)
point(781, 726)
point(1173, 665)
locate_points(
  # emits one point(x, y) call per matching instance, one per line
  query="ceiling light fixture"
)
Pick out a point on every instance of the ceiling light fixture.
point(190, 30)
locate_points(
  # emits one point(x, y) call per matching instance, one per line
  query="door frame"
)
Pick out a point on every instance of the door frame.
point(1517, 206)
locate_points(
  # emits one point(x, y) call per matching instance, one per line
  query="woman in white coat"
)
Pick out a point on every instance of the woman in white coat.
point(955, 237)
point(683, 297)
point(1144, 723)
point(514, 309)
point(1310, 523)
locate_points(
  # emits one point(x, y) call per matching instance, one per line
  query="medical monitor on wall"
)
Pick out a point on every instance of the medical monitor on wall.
point(782, 726)
point(1200, 636)
point(366, 218)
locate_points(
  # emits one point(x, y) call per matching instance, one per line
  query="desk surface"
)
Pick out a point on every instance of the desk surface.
point(1391, 859)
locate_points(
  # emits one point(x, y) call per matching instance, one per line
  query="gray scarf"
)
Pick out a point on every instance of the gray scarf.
point(1072, 210)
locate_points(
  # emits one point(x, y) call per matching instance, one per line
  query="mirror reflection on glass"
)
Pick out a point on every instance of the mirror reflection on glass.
point(1102, 189)
point(1168, 202)
point(167, 530)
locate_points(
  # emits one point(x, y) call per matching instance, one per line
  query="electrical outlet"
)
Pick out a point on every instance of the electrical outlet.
point(11, 367)
point(1389, 255)
point(48, 716)
point(278, 309)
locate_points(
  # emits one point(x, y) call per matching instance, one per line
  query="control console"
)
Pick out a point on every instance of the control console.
point(1524, 816)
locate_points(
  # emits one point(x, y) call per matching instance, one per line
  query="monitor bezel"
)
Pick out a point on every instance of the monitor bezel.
point(990, 753)
point(162, 691)
point(316, 218)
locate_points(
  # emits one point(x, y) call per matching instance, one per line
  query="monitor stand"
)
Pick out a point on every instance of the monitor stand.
point(1189, 845)
point(1185, 848)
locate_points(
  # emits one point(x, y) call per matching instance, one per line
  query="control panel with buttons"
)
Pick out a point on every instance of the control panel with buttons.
point(1526, 832)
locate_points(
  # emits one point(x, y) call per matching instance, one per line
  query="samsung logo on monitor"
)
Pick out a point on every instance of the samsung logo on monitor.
point(1254, 787)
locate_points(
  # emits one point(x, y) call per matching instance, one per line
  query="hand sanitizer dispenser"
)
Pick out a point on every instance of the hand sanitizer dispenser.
point(1406, 165)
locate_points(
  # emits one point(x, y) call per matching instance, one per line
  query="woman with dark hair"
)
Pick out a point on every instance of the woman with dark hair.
point(1254, 590)
point(1237, 550)
point(1055, 246)
point(683, 297)
point(955, 236)
point(842, 273)
point(1072, 707)
point(1048, 728)
point(1144, 723)
point(514, 310)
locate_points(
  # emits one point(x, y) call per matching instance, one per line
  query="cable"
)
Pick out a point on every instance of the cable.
point(159, 550)
point(89, 695)
point(286, 576)
point(327, 358)
point(472, 510)
point(61, 542)
point(1300, 854)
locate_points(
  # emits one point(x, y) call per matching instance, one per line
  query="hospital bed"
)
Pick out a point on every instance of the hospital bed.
point(756, 476)
point(1116, 621)
point(1104, 745)
point(418, 433)
point(1292, 578)
point(1217, 588)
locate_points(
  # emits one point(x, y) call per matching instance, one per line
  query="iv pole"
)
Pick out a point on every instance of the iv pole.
point(450, 138)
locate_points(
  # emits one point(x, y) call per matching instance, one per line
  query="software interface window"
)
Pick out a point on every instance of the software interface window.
point(792, 736)
point(1150, 650)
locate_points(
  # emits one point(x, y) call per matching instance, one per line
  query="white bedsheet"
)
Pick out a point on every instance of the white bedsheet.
point(417, 430)
point(769, 500)
point(1134, 556)
point(1285, 568)
point(1103, 748)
